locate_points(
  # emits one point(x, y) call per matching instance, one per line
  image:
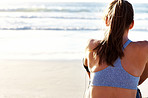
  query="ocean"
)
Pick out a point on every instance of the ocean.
point(57, 31)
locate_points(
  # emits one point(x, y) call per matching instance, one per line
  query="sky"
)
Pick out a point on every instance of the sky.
point(10, 1)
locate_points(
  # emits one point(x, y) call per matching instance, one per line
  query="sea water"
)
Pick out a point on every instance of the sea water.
point(51, 31)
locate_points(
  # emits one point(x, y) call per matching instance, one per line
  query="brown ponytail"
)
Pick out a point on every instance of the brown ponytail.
point(120, 16)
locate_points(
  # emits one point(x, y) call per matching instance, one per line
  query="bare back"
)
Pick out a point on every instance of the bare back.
point(135, 61)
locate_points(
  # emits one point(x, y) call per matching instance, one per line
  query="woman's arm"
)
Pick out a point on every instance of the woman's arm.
point(144, 75)
point(85, 59)
point(85, 64)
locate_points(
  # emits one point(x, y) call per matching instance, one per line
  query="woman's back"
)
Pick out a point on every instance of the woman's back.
point(115, 63)
point(133, 62)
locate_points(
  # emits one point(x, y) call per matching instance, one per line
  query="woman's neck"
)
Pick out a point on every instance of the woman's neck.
point(125, 36)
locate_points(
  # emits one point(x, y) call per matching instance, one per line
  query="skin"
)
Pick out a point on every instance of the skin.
point(135, 62)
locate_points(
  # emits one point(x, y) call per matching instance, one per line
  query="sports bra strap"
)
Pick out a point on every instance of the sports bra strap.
point(126, 44)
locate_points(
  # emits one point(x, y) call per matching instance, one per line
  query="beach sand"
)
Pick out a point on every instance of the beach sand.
point(45, 79)
point(41, 79)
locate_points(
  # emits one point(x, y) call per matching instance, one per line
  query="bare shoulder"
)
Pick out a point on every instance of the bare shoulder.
point(142, 45)
point(92, 43)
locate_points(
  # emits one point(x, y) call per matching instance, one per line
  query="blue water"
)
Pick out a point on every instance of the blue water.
point(44, 31)
point(62, 16)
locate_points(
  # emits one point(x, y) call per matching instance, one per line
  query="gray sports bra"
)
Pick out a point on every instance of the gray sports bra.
point(115, 76)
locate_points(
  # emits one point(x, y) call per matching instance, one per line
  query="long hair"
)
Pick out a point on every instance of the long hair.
point(120, 16)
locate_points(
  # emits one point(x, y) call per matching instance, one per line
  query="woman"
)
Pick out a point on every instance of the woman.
point(116, 65)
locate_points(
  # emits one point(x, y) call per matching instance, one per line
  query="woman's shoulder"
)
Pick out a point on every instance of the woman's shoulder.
point(92, 43)
point(141, 45)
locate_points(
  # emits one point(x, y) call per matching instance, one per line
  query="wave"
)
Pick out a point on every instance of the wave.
point(71, 10)
point(140, 29)
point(62, 9)
point(56, 17)
point(142, 18)
point(53, 28)
point(66, 17)
point(66, 29)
